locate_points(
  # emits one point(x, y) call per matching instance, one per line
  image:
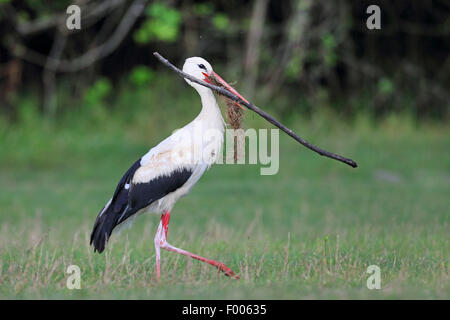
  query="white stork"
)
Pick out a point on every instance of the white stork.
point(158, 179)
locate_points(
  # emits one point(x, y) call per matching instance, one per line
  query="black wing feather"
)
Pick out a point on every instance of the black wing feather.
point(126, 202)
point(105, 222)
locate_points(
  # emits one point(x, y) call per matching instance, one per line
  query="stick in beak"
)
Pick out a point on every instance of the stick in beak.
point(272, 120)
point(216, 78)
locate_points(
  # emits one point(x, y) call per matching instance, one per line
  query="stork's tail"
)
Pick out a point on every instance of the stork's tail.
point(105, 223)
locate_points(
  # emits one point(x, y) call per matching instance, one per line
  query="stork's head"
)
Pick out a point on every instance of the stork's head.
point(198, 68)
point(202, 70)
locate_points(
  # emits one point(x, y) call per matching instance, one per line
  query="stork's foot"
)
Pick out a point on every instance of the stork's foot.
point(219, 265)
point(228, 272)
point(161, 243)
point(222, 267)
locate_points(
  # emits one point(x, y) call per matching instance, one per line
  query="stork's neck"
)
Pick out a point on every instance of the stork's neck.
point(210, 113)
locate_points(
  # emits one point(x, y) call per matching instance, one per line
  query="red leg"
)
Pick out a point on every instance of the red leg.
point(160, 238)
point(161, 242)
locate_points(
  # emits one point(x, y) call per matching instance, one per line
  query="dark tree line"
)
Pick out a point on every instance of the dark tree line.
point(312, 49)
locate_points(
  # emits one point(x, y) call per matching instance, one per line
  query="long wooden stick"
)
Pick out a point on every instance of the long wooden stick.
point(263, 114)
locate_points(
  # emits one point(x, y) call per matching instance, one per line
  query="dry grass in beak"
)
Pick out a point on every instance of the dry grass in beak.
point(235, 113)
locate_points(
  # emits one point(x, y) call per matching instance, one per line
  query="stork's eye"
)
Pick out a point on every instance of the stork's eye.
point(202, 66)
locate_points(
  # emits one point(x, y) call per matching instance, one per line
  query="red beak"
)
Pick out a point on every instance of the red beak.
point(226, 86)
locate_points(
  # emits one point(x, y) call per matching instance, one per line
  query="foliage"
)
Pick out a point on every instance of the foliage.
point(141, 76)
point(221, 21)
point(385, 86)
point(318, 53)
point(294, 68)
point(162, 24)
point(203, 9)
point(329, 48)
point(96, 94)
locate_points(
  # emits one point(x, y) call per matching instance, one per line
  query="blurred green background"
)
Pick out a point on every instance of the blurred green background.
point(78, 107)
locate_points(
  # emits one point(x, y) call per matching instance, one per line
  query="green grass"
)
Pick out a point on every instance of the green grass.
point(310, 231)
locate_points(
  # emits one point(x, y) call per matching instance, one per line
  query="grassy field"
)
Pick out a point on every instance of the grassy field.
point(310, 231)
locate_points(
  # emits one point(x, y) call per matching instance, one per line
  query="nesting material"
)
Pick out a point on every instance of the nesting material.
point(234, 112)
point(235, 115)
